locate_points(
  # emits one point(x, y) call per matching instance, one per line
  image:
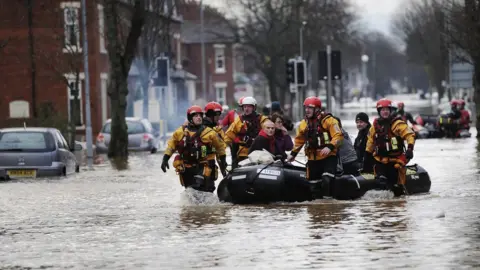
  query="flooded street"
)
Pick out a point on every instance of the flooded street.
point(142, 219)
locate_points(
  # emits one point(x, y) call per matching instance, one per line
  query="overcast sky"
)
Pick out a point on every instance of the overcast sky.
point(376, 13)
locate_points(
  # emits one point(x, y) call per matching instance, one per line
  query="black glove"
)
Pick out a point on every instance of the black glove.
point(409, 152)
point(165, 163)
point(368, 162)
point(223, 165)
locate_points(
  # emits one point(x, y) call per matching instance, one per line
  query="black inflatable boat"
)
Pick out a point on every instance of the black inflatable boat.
point(283, 182)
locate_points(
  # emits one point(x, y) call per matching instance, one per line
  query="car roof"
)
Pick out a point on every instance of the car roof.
point(133, 119)
point(32, 129)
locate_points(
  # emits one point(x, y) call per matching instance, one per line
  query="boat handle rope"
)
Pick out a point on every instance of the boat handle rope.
point(250, 189)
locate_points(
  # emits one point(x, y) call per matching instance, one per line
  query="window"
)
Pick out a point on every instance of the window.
point(132, 127)
point(19, 109)
point(221, 92)
point(101, 29)
point(75, 106)
point(71, 27)
point(220, 58)
point(26, 141)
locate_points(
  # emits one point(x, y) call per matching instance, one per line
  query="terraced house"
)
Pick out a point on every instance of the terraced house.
point(41, 60)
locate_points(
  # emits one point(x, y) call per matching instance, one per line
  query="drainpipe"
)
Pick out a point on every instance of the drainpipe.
point(33, 69)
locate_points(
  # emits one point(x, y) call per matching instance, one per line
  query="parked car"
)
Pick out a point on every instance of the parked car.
point(141, 136)
point(35, 152)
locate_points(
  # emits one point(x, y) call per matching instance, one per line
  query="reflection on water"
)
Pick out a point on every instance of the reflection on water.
point(141, 218)
point(194, 217)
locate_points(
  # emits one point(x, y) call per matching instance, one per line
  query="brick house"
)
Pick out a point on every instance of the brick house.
point(50, 75)
point(221, 54)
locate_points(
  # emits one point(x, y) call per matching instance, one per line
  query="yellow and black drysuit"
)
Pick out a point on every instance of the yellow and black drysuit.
point(197, 147)
point(243, 131)
point(317, 133)
point(221, 159)
point(386, 155)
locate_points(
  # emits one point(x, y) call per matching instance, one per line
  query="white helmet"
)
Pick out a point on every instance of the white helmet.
point(249, 101)
point(225, 107)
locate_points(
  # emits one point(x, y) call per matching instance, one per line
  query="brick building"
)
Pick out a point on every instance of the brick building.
point(221, 52)
point(53, 32)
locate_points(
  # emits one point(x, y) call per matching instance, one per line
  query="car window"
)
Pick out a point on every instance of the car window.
point(27, 141)
point(134, 127)
point(148, 126)
point(60, 142)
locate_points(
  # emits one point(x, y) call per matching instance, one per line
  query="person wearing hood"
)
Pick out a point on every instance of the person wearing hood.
point(276, 108)
point(363, 126)
point(347, 154)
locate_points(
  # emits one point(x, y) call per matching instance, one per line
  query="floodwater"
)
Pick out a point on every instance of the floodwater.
point(142, 219)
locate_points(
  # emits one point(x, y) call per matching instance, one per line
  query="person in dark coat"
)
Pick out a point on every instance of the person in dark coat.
point(363, 126)
point(276, 108)
point(265, 139)
point(283, 141)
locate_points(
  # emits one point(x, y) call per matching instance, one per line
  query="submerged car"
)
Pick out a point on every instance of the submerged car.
point(35, 152)
point(141, 136)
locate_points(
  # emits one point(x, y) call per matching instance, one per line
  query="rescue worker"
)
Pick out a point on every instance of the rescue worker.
point(363, 126)
point(195, 144)
point(213, 110)
point(321, 134)
point(227, 122)
point(386, 152)
point(465, 115)
point(450, 123)
point(244, 129)
point(406, 116)
point(348, 162)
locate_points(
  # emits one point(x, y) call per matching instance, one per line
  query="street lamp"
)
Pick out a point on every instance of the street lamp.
point(364, 79)
point(301, 38)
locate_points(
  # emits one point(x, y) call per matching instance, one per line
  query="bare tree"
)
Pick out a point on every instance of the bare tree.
point(124, 22)
point(422, 26)
point(269, 29)
point(154, 40)
point(463, 32)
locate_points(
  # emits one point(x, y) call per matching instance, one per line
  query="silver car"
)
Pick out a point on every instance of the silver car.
point(141, 136)
point(35, 152)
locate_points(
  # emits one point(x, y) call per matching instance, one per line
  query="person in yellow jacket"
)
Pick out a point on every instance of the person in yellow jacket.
point(385, 153)
point(244, 129)
point(321, 134)
point(197, 146)
point(213, 110)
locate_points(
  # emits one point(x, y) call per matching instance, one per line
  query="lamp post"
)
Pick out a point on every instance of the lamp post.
point(301, 38)
point(202, 41)
point(364, 79)
point(300, 94)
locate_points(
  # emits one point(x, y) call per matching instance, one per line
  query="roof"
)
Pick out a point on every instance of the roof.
point(214, 32)
point(127, 119)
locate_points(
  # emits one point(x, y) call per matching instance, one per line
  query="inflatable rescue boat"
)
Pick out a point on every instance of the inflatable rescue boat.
point(284, 182)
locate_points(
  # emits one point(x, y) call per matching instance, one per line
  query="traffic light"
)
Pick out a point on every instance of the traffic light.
point(301, 72)
point(290, 70)
point(162, 68)
point(336, 65)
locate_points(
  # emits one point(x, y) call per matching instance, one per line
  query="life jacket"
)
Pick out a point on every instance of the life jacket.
point(250, 129)
point(317, 136)
point(385, 142)
point(191, 148)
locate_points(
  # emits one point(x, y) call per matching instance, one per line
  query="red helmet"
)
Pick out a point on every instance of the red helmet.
point(461, 102)
point(214, 106)
point(194, 110)
point(313, 102)
point(385, 103)
point(400, 105)
point(454, 102)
